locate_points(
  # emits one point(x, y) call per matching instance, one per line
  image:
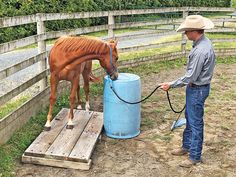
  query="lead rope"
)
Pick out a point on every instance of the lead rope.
point(167, 94)
point(136, 101)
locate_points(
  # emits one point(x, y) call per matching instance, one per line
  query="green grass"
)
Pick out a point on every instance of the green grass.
point(221, 35)
point(233, 3)
point(166, 137)
point(227, 60)
point(147, 52)
point(12, 105)
point(148, 123)
point(156, 68)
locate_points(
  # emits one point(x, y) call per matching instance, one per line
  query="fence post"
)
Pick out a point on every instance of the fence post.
point(185, 13)
point(111, 22)
point(183, 43)
point(41, 49)
point(184, 40)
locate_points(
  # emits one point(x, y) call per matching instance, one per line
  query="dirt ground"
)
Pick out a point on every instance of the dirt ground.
point(148, 155)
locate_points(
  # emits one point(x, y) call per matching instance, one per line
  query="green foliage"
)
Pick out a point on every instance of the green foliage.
point(28, 7)
point(12, 105)
point(233, 3)
point(195, 3)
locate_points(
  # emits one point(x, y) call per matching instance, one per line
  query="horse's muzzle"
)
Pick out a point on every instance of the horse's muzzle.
point(114, 75)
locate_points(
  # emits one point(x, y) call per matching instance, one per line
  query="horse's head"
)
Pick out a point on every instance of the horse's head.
point(110, 61)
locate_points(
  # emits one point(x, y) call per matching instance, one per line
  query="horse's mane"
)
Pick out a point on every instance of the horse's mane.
point(90, 44)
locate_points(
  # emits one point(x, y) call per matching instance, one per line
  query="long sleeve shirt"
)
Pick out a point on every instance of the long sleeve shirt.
point(200, 64)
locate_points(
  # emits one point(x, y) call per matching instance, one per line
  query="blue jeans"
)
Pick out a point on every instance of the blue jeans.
point(193, 133)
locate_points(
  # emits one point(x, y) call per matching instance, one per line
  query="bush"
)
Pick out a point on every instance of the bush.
point(28, 7)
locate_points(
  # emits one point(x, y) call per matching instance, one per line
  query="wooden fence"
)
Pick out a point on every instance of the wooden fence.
point(15, 120)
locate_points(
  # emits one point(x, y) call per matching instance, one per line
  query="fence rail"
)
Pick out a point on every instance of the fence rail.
point(13, 121)
point(21, 65)
point(20, 20)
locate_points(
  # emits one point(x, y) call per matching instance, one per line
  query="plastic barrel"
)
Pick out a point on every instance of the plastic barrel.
point(122, 120)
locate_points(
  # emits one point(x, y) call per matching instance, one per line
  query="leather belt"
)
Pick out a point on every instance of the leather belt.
point(194, 85)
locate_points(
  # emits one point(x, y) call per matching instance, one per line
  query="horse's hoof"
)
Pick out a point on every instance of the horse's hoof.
point(47, 128)
point(79, 107)
point(69, 126)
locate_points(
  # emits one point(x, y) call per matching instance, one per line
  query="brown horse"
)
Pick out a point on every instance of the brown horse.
point(66, 63)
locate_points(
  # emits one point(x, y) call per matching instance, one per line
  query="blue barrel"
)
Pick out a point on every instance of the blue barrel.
point(122, 120)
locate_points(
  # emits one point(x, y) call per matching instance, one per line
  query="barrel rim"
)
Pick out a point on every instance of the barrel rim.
point(135, 78)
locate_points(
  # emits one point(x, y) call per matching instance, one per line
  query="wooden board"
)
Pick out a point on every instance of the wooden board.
point(86, 143)
point(56, 163)
point(67, 148)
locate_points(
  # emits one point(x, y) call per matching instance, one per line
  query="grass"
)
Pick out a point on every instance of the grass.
point(233, 3)
point(149, 123)
point(147, 52)
point(12, 105)
point(166, 137)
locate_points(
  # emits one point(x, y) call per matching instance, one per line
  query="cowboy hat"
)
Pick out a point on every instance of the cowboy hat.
point(195, 22)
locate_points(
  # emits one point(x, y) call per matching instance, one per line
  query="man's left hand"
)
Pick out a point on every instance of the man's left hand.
point(165, 86)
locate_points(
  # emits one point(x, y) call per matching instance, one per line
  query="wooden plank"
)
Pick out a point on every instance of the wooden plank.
point(46, 138)
point(17, 20)
point(85, 145)
point(56, 163)
point(80, 15)
point(21, 65)
point(77, 31)
point(19, 89)
point(9, 46)
point(64, 143)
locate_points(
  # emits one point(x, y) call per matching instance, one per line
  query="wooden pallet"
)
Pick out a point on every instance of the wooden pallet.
point(67, 148)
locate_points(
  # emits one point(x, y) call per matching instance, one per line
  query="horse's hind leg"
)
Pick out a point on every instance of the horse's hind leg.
point(74, 86)
point(53, 82)
point(78, 95)
point(86, 88)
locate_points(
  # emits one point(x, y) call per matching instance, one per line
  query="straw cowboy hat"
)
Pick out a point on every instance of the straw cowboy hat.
point(195, 22)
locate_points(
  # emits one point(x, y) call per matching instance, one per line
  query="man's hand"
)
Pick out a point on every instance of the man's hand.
point(165, 86)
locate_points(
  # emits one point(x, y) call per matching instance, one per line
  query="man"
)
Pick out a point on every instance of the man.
point(199, 71)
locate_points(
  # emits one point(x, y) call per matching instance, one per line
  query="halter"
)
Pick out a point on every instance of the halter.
point(114, 69)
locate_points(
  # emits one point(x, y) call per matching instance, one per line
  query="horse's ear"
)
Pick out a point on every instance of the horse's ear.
point(113, 41)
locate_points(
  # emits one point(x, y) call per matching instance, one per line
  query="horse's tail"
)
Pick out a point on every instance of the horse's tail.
point(94, 78)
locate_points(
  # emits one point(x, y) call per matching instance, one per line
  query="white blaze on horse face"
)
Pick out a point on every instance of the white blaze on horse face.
point(87, 106)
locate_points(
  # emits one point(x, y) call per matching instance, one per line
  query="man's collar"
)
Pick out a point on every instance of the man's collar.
point(195, 43)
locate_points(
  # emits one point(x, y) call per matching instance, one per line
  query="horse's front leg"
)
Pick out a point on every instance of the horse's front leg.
point(53, 83)
point(74, 87)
